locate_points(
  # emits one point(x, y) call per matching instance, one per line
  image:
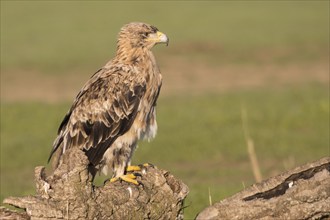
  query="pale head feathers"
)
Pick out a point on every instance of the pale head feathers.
point(138, 36)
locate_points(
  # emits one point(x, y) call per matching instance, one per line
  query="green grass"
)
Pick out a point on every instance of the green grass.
point(56, 37)
point(200, 139)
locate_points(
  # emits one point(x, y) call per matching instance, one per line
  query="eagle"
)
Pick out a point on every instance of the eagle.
point(116, 107)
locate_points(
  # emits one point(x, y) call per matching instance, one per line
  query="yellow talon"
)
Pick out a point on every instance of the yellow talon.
point(140, 167)
point(148, 165)
point(133, 168)
point(129, 178)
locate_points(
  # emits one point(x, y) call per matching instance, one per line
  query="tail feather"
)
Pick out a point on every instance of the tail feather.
point(56, 152)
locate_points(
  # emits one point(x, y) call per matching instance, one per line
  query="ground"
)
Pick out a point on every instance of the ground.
point(179, 77)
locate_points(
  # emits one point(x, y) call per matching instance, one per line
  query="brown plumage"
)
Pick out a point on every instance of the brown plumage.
point(116, 107)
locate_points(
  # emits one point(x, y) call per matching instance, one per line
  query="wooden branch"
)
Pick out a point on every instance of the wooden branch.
point(302, 193)
point(69, 194)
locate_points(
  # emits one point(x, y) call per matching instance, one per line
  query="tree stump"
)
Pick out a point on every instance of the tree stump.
point(69, 194)
point(301, 193)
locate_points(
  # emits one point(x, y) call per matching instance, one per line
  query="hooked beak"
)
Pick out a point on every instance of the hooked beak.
point(162, 38)
point(159, 38)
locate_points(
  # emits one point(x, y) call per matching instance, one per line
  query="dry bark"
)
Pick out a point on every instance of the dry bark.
point(70, 194)
point(301, 193)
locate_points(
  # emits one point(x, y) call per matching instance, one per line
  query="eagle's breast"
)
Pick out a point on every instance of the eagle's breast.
point(144, 125)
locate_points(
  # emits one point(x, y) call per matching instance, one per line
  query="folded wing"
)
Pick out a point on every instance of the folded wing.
point(103, 110)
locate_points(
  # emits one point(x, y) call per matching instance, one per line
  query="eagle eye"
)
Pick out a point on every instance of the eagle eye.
point(144, 34)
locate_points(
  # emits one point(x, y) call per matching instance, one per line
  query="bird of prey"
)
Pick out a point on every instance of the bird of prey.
point(116, 107)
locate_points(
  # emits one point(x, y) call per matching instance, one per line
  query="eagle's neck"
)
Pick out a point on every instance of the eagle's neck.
point(134, 55)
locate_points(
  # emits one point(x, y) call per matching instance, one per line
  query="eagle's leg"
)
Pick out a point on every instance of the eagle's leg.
point(130, 177)
point(121, 164)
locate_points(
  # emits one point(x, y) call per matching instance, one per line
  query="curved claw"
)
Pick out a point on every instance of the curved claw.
point(129, 178)
point(145, 165)
point(133, 168)
point(140, 167)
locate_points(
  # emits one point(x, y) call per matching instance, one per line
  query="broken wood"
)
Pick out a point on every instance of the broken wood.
point(301, 193)
point(69, 194)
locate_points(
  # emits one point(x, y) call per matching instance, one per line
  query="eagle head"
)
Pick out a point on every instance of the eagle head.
point(140, 35)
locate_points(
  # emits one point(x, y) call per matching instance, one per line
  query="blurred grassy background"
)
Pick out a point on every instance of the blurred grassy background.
point(270, 58)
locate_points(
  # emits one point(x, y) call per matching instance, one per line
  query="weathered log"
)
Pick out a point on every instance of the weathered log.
point(70, 194)
point(301, 193)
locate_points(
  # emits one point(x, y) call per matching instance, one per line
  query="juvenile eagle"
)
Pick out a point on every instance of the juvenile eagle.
point(116, 107)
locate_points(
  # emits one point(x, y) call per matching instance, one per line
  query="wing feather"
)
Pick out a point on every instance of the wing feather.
point(103, 110)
